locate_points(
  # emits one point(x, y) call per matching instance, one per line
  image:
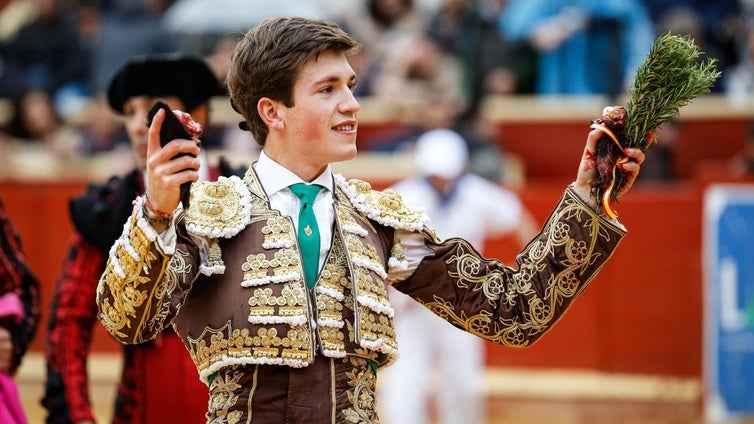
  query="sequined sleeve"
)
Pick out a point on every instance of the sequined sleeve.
point(516, 306)
point(139, 293)
point(148, 275)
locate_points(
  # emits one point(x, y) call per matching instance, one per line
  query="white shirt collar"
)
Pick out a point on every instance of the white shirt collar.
point(275, 177)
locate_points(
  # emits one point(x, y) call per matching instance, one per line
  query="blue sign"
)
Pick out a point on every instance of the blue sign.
point(729, 301)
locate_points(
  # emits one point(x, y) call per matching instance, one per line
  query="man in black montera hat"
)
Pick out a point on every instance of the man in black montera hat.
point(161, 369)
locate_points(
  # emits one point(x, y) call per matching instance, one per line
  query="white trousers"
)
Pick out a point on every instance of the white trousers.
point(436, 359)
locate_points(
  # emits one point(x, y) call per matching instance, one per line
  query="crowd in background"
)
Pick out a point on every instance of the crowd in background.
point(57, 55)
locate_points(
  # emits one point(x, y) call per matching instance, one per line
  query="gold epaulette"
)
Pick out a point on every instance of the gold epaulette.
point(219, 209)
point(385, 207)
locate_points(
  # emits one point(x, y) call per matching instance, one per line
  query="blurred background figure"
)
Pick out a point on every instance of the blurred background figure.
point(438, 359)
point(46, 53)
point(380, 26)
point(13, 15)
point(583, 46)
point(19, 315)
point(715, 25)
point(738, 81)
point(128, 28)
point(490, 63)
point(418, 69)
point(36, 123)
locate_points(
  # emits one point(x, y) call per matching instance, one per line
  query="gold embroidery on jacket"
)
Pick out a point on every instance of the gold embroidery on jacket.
point(225, 397)
point(280, 308)
point(374, 327)
point(385, 207)
point(127, 294)
point(218, 209)
point(290, 303)
point(362, 401)
point(214, 262)
point(278, 232)
point(365, 255)
point(216, 348)
point(331, 288)
point(577, 269)
point(285, 265)
point(176, 270)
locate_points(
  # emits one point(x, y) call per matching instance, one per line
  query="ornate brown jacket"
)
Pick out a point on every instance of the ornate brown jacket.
point(233, 286)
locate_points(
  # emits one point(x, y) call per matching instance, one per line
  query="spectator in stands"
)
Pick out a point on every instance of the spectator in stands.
point(380, 25)
point(226, 136)
point(441, 361)
point(13, 15)
point(36, 123)
point(385, 22)
point(159, 369)
point(47, 54)
point(491, 63)
point(716, 26)
point(739, 80)
point(19, 312)
point(417, 69)
point(424, 82)
point(129, 28)
point(584, 46)
point(103, 132)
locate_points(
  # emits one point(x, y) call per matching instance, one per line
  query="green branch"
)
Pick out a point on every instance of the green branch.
point(669, 78)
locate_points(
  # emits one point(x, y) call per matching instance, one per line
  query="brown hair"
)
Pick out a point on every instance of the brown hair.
point(267, 61)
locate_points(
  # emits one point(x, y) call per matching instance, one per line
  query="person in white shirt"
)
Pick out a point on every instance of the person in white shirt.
point(441, 360)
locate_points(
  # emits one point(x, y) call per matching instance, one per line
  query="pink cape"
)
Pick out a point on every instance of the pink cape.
point(11, 409)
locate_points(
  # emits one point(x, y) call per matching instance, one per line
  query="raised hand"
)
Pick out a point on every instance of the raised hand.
point(168, 167)
point(588, 168)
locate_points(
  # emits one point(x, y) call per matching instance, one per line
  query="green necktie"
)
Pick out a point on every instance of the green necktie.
point(308, 231)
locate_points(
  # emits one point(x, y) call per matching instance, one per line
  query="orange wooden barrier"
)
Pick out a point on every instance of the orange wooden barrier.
point(39, 211)
point(549, 149)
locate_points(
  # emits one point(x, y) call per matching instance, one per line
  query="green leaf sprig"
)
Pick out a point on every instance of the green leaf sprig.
point(671, 76)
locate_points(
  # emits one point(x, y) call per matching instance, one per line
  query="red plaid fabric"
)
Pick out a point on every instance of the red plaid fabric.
point(146, 370)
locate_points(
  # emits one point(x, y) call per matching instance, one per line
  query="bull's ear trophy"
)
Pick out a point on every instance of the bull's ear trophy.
point(672, 74)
